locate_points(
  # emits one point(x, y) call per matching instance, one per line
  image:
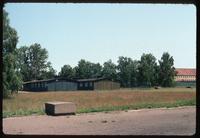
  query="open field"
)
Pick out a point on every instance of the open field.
point(93, 101)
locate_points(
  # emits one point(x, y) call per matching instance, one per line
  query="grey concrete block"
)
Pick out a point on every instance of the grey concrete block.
point(60, 108)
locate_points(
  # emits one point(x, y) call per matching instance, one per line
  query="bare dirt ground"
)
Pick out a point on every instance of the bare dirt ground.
point(172, 121)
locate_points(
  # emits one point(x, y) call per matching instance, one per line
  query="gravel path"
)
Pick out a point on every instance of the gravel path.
point(172, 121)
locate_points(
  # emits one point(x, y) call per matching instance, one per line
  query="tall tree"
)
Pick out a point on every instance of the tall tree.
point(38, 60)
point(109, 70)
point(83, 69)
point(23, 62)
point(132, 69)
point(33, 63)
point(157, 77)
point(126, 71)
point(86, 69)
point(11, 78)
point(95, 70)
point(49, 73)
point(76, 72)
point(147, 70)
point(166, 70)
point(67, 71)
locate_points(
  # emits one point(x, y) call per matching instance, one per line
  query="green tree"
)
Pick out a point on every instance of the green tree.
point(157, 77)
point(11, 78)
point(33, 64)
point(38, 60)
point(83, 69)
point(86, 69)
point(23, 62)
point(132, 69)
point(95, 70)
point(76, 72)
point(147, 70)
point(67, 71)
point(109, 70)
point(49, 73)
point(127, 70)
point(166, 70)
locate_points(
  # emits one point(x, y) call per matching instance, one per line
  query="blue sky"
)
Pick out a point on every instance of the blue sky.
point(99, 32)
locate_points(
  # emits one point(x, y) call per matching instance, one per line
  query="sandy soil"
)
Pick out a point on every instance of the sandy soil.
point(173, 121)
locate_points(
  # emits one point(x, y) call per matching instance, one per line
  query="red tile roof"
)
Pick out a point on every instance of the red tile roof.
point(184, 71)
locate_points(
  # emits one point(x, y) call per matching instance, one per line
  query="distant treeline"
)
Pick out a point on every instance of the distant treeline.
point(31, 63)
point(130, 73)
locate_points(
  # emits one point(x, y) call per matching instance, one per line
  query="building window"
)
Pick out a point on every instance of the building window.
point(86, 84)
point(42, 84)
point(81, 84)
point(90, 84)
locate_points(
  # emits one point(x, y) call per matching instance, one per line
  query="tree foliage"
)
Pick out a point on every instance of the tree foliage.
point(86, 69)
point(127, 70)
point(166, 70)
point(83, 69)
point(11, 78)
point(147, 70)
point(23, 62)
point(33, 64)
point(67, 71)
point(133, 71)
point(96, 70)
point(109, 70)
point(49, 73)
point(130, 73)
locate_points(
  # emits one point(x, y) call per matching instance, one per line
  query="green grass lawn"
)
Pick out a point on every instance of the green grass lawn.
point(96, 101)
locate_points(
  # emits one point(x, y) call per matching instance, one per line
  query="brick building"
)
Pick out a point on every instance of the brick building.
point(185, 77)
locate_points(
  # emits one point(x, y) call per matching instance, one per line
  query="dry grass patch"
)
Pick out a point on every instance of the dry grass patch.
point(96, 99)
